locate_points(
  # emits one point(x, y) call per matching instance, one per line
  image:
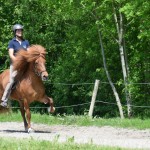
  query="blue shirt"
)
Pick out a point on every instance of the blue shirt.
point(17, 46)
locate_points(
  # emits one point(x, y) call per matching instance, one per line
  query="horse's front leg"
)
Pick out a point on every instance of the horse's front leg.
point(48, 100)
point(52, 108)
point(28, 115)
point(22, 110)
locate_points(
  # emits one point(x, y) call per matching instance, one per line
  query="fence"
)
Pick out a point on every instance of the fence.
point(93, 101)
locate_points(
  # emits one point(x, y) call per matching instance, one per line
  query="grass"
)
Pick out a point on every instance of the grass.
point(135, 123)
point(30, 144)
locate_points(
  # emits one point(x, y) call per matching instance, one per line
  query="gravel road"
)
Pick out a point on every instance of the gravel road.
point(110, 136)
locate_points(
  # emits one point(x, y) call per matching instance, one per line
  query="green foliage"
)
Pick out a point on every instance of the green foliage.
point(69, 32)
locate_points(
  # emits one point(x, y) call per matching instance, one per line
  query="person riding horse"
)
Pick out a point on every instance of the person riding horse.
point(17, 43)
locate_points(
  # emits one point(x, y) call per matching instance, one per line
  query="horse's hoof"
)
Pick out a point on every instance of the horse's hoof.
point(51, 110)
point(30, 130)
point(26, 129)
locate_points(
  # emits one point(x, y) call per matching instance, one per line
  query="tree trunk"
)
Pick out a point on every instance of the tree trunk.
point(109, 78)
point(107, 73)
point(119, 27)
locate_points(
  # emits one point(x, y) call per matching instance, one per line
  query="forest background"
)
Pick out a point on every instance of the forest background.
point(86, 40)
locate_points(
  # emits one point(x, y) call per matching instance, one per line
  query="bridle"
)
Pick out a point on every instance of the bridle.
point(35, 69)
point(38, 73)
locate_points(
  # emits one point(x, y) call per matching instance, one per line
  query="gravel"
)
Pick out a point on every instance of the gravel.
point(108, 136)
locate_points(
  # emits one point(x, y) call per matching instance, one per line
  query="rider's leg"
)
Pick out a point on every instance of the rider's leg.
point(9, 85)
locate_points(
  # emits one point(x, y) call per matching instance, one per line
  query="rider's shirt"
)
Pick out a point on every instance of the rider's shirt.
point(16, 45)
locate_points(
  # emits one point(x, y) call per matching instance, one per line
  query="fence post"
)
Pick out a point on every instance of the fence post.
point(93, 98)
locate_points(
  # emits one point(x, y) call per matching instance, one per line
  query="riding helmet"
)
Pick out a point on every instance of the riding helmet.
point(16, 27)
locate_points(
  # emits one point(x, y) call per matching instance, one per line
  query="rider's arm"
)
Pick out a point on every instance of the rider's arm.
point(11, 54)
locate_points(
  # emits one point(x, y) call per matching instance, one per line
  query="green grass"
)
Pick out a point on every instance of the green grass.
point(135, 123)
point(30, 144)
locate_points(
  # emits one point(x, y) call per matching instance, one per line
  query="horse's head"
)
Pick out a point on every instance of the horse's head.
point(39, 67)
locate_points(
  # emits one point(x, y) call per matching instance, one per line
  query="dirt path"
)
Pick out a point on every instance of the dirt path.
point(98, 135)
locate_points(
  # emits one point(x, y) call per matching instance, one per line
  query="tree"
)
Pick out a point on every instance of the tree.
point(120, 40)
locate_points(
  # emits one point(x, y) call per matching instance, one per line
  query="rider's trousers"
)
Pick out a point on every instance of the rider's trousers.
point(9, 85)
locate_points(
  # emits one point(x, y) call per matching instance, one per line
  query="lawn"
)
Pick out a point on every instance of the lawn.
point(134, 123)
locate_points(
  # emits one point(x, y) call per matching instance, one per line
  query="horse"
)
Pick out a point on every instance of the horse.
point(29, 87)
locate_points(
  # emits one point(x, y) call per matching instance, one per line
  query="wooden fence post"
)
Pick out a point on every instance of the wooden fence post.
point(93, 98)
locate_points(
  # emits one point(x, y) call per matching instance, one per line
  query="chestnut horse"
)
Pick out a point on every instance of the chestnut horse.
point(29, 87)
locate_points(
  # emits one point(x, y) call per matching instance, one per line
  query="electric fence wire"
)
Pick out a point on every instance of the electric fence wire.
point(104, 102)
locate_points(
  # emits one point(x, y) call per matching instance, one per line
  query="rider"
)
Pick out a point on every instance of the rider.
point(14, 46)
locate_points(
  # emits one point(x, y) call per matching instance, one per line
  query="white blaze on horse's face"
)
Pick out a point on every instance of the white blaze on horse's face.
point(40, 68)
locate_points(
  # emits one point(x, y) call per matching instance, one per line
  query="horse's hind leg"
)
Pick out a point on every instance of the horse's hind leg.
point(23, 115)
point(1, 94)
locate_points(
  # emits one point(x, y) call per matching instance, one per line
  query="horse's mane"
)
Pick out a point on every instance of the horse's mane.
point(24, 58)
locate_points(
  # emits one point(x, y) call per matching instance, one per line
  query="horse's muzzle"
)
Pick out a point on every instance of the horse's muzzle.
point(44, 78)
point(44, 75)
